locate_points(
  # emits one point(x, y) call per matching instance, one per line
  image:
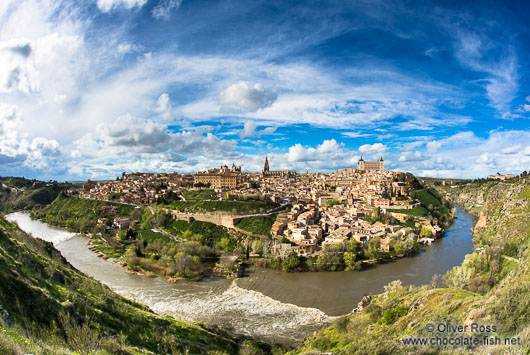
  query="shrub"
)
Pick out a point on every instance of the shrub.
point(392, 314)
point(512, 309)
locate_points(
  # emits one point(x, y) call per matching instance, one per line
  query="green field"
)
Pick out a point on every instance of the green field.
point(198, 194)
point(416, 211)
point(257, 224)
point(150, 236)
point(212, 233)
point(223, 206)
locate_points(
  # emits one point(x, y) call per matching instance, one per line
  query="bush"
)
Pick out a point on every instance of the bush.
point(392, 314)
point(512, 309)
point(341, 323)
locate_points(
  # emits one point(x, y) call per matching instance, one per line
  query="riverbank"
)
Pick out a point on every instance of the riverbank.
point(490, 287)
point(333, 293)
point(49, 307)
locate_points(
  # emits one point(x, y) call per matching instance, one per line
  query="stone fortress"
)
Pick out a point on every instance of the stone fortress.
point(371, 165)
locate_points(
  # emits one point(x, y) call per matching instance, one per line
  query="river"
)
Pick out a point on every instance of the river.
point(271, 305)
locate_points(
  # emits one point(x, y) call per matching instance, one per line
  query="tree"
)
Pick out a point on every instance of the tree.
point(291, 263)
point(376, 213)
point(399, 247)
point(350, 260)
point(183, 264)
point(372, 252)
point(257, 247)
point(135, 214)
point(426, 232)
point(332, 202)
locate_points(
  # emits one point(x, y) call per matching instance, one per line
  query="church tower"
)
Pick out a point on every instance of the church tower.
point(266, 167)
point(360, 165)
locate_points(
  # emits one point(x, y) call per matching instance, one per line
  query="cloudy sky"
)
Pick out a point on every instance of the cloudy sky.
point(89, 89)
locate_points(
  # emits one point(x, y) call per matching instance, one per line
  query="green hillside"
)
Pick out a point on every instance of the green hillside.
point(48, 307)
point(257, 224)
point(490, 288)
point(23, 194)
point(79, 214)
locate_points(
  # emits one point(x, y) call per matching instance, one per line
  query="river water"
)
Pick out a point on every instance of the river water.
point(271, 305)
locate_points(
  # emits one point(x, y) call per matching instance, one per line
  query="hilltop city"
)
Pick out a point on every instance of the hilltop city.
point(315, 209)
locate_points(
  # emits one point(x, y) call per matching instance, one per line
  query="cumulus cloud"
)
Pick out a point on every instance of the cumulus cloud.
point(163, 106)
point(485, 158)
point(162, 11)
point(245, 97)
point(137, 138)
point(526, 151)
point(37, 153)
point(411, 156)
point(249, 130)
point(371, 149)
point(433, 146)
point(324, 151)
point(109, 5)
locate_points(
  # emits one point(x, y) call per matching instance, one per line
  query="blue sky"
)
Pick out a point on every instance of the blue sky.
point(90, 89)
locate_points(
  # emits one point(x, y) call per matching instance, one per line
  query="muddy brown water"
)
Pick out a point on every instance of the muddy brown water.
point(268, 304)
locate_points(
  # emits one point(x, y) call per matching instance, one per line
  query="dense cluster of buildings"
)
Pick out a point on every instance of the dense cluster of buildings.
point(136, 188)
point(326, 208)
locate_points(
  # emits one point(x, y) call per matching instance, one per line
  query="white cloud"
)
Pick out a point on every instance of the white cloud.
point(513, 149)
point(433, 146)
point(413, 145)
point(485, 158)
point(162, 11)
point(132, 138)
point(245, 97)
point(109, 5)
point(373, 149)
point(475, 52)
point(249, 130)
point(411, 156)
point(163, 106)
point(528, 98)
point(37, 153)
point(325, 151)
point(466, 155)
point(354, 134)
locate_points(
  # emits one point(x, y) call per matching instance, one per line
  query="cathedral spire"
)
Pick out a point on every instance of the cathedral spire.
point(266, 166)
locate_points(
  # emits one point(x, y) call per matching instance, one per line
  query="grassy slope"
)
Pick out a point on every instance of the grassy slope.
point(60, 309)
point(225, 206)
point(258, 224)
point(79, 214)
point(198, 194)
point(490, 287)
